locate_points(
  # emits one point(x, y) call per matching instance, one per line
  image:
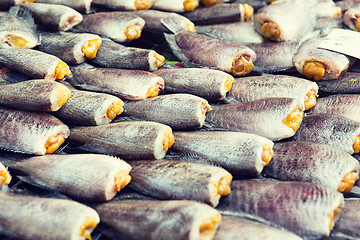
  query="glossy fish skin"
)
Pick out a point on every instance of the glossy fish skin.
point(333, 64)
point(18, 30)
point(54, 16)
point(82, 6)
point(346, 105)
point(90, 108)
point(348, 223)
point(29, 132)
point(334, 130)
point(252, 88)
point(33, 63)
point(238, 32)
point(128, 140)
point(164, 179)
point(67, 46)
point(159, 220)
point(329, 165)
point(242, 156)
point(112, 24)
point(306, 209)
point(126, 84)
point(256, 117)
point(219, 13)
point(83, 177)
point(210, 84)
point(34, 95)
point(21, 216)
point(153, 24)
point(232, 228)
point(347, 83)
point(114, 55)
point(180, 111)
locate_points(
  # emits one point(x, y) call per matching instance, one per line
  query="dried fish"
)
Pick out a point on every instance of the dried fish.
point(18, 30)
point(84, 177)
point(34, 95)
point(193, 48)
point(176, 5)
point(10, 76)
point(346, 4)
point(124, 4)
point(118, 26)
point(237, 32)
point(314, 162)
point(90, 108)
point(35, 64)
point(331, 129)
point(318, 63)
point(306, 209)
point(221, 13)
point(256, 4)
point(210, 84)
point(179, 111)
point(72, 48)
point(153, 21)
point(348, 224)
point(6, 4)
point(113, 55)
point(159, 220)
point(82, 6)
point(346, 105)
point(231, 228)
point(284, 115)
point(351, 18)
point(257, 87)
point(5, 177)
point(244, 156)
point(21, 216)
point(127, 84)
point(128, 140)
point(164, 179)
point(347, 83)
point(31, 132)
point(54, 16)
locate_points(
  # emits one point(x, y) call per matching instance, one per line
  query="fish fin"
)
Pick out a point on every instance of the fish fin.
point(26, 15)
point(172, 25)
point(170, 38)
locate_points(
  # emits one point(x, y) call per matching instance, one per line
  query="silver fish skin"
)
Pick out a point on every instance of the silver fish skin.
point(126, 84)
point(128, 140)
point(345, 105)
point(29, 132)
point(83, 177)
point(306, 209)
point(90, 108)
point(160, 220)
point(283, 114)
point(180, 180)
point(30, 62)
point(54, 16)
point(180, 111)
point(237, 32)
point(114, 55)
point(113, 25)
point(8, 75)
point(244, 229)
point(5, 177)
point(256, 87)
point(34, 95)
point(18, 30)
point(330, 129)
point(82, 6)
point(211, 84)
point(178, 6)
point(347, 83)
point(153, 24)
point(351, 18)
point(348, 224)
point(312, 162)
point(67, 46)
point(244, 156)
point(21, 216)
point(333, 64)
point(193, 48)
point(129, 5)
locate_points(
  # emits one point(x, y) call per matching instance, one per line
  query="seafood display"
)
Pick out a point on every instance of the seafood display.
point(181, 119)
